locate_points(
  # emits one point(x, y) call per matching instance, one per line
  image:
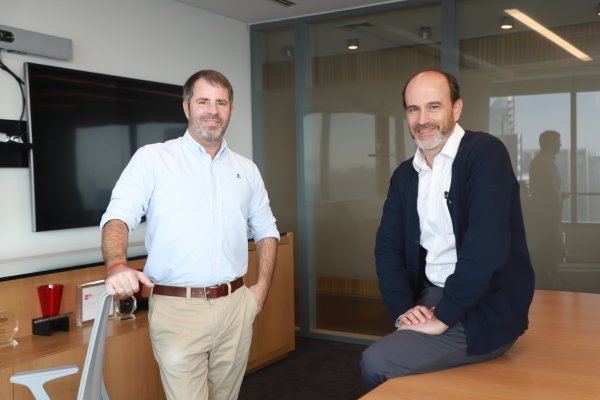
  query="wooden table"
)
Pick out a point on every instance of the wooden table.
point(557, 358)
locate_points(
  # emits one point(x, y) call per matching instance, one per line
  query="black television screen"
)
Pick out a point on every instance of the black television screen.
point(84, 127)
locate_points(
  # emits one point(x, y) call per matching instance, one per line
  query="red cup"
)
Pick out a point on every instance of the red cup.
point(50, 296)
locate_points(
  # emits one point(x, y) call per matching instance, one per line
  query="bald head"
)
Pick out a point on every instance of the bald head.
point(453, 88)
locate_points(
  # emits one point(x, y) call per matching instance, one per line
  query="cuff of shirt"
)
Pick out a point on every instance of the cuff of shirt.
point(397, 323)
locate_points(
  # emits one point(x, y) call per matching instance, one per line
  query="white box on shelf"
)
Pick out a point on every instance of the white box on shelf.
point(88, 296)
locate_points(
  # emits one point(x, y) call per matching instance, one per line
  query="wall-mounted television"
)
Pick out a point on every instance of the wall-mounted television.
point(84, 127)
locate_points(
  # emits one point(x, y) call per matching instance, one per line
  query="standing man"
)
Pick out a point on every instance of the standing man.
point(546, 211)
point(451, 255)
point(199, 198)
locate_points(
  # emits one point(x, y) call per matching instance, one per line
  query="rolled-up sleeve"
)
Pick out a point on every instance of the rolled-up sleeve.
point(131, 194)
point(261, 221)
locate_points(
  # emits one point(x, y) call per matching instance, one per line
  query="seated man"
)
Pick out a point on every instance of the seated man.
point(452, 260)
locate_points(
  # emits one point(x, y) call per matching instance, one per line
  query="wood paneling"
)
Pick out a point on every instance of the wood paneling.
point(347, 287)
point(6, 390)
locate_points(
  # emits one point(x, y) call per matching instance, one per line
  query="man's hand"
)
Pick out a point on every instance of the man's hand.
point(120, 279)
point(266, 250)
point(259, 294)
point(422, 319)
point(123, 280)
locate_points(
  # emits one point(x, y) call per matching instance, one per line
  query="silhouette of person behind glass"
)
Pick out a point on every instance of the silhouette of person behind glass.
point(546, 210)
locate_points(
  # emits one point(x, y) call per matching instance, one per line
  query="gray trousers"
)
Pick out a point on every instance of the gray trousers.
point(408, 352)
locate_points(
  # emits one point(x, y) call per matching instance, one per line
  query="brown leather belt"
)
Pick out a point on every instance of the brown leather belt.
point(208, 292)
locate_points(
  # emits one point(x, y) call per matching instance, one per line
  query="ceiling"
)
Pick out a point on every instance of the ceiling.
point(392, 28)
point(255, 11)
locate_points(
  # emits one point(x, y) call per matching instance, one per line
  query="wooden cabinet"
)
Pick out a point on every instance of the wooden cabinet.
point(130, 371)
point(273, 335)
point(6, 390)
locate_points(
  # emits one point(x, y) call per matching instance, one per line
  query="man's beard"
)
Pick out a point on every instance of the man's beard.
point(439, 141)
point(210, 135)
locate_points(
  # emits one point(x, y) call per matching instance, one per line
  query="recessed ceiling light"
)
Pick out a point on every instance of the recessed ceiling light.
point(506, 23)
point(425, 32)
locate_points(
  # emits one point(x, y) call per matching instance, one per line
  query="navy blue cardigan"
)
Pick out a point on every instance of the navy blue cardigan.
point(492, 286)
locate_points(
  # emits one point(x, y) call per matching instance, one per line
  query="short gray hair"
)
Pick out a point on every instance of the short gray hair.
point(212, 77)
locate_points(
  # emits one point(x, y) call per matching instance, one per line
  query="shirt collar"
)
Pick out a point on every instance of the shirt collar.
point(189, 141)
point(449, 150)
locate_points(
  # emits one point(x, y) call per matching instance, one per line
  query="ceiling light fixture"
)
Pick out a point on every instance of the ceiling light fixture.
point(286, 3)
point(352, 44)
point(547, 33)
point(288, 51)
point(598, 10)
point(425, 32)
point(506, 23)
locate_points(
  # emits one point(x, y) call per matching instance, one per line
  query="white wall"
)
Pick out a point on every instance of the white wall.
point(158, 40)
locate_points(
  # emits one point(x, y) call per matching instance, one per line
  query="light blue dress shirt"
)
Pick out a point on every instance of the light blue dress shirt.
point(198, 211)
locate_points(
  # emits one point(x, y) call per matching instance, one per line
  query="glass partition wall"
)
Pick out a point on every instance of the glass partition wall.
point(329, 129)
point(531, 83)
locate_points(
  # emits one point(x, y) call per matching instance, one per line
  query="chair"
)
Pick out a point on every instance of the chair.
point(91, 385)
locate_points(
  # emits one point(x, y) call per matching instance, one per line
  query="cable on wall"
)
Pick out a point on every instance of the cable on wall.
point(17, 138)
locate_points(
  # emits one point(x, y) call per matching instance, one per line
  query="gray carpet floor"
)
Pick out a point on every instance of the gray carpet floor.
point(316, 370)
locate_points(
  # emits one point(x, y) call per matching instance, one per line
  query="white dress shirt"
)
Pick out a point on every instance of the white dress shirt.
point(437, 235)
point(198, 210)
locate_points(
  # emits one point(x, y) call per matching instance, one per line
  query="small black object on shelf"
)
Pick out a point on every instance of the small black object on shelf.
point(142, 303)
point(45, 325)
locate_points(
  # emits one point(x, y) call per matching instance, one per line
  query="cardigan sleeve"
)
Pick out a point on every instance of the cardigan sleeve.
point(483, 183)
point(391, 255)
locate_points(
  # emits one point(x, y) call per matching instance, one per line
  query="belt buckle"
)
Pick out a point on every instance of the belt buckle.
point(207, 288)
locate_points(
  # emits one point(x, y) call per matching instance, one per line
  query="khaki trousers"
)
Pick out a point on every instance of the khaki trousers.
point(201, 346)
